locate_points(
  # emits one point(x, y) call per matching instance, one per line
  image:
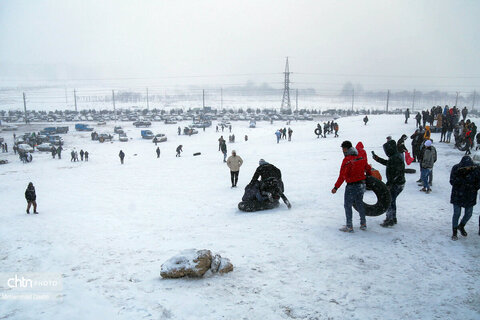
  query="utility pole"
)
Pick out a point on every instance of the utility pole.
point(456, 100)
point(296, 100)
point(113, 100)
point(221, 98)
point(148, 106)
point(203, 98)
point(413, 100)
point(75, 98)
point(473, 102)
point(388, 98)
point(25, 107)
point(353, 97)
point(66, 97)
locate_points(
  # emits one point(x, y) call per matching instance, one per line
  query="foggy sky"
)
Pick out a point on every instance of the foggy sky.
point(380, 44)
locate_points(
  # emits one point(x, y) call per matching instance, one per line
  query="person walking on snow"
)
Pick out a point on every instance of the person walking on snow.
point(86, 156)
point(428, 157)
point(465, 181)
point(395, 172)
point(121, 155)
point(290, 131)
point(335, 127)
point(73, 155)
point(352, 170)
point(59, 152)
point(179, 150)
point(223, 148)
point(234, 162)
point(158, 152)
point(81, 154)
point(54, 152)
point(365, 120)
point(418, 117)
point(407, 115)
point(279, 135)
point(31, 198)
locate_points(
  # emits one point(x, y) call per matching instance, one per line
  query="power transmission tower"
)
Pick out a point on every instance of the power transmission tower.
point(286, 89)
point(25, 107)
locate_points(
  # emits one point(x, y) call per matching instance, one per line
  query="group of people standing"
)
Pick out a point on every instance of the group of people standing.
point(282, 134)
point(328, 128)
point(74, 155)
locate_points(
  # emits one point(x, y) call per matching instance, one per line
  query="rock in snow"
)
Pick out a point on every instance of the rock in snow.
point(194, 263)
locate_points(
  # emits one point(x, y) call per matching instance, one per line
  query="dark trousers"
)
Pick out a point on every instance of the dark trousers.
point(395, 190)
point(234, 177)
point(30, 203)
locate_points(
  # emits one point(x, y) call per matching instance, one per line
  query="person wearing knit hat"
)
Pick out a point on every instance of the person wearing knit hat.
point(268, 172)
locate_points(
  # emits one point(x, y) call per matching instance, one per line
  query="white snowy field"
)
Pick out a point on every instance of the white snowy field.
point(107, 228)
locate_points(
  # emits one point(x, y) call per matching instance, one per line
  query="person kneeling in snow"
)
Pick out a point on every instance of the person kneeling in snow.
point(271, 181)
point(353, 171)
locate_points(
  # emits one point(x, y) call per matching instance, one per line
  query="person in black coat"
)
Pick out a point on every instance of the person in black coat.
point(31, 198)
point(271, 177)
point(121, 154)
point(465, 181)
point(395, 178)
point(158, 152)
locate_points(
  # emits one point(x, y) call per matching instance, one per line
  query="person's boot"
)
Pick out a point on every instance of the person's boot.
point(387, 223)
point(28, 212)
point(461, 227)
point(454, 235)
point(394, 220)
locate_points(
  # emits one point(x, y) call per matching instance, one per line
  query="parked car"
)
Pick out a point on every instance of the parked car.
point(142, 124)
point(23, 147)
point(160, 137)
point(102, 137)
point(189, 131)
point(122, 137)
point(118, 130)
point(146, 134)
point(45, 147)
point(83, 127)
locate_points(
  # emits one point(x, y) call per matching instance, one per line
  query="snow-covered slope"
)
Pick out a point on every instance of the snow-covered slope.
point(107, 228)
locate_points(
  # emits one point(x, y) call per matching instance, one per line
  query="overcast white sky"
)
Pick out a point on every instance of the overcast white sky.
point(362, 41)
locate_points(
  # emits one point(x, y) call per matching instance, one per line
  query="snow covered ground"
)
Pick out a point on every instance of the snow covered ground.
point(107, 228)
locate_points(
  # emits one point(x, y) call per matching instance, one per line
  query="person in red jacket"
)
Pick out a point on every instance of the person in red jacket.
point(353, 170)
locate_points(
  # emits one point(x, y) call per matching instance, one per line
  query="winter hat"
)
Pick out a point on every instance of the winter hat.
point(346, 144)
point(428, 143)
point(389, 138)
point(262, 162)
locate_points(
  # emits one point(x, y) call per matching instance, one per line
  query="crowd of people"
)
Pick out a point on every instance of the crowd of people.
point(328, 128)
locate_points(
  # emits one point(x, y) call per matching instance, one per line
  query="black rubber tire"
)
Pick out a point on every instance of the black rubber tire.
point(383, 197)
point(252, 206)
point(317, 131)
point(462, 146)
point(410, 170)
point(197, 153)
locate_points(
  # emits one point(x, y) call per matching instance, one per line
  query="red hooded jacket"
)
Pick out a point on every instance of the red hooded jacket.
point(353, 168)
